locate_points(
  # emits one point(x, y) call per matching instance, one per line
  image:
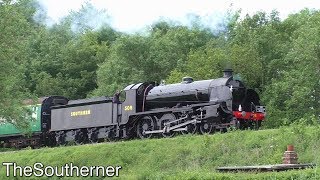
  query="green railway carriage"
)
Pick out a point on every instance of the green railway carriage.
point(10, 130)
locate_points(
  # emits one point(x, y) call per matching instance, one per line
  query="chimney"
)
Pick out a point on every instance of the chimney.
point(227, 73)
point(290, 156)
point(187, 80)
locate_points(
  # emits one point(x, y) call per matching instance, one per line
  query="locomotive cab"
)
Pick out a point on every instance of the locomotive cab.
point(135, 99)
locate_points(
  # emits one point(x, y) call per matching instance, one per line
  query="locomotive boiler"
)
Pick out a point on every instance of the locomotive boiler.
point(192, 92)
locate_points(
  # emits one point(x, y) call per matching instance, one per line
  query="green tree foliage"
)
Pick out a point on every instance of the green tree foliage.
point(295, 93)
point(206, 62)
point(46, 60)
point(257, 40)
point(16, 26)
point(124, 65)
point(245, 41)
point(79, 65)
point(170, 46)
point(137, 58)
point(63, 59)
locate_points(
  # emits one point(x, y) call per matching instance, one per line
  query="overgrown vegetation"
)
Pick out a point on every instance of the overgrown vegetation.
point(188, 157)
point(279, 58)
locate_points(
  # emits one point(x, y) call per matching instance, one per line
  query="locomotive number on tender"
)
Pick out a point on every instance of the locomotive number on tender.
point(128, 108)
point(81, 113)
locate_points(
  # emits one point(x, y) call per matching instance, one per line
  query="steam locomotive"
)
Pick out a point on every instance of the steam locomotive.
point(148, 110)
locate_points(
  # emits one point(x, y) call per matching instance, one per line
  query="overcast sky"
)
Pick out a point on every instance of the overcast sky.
point(133, 15)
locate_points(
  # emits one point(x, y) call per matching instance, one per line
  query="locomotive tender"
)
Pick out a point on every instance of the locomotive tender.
point(148, 110)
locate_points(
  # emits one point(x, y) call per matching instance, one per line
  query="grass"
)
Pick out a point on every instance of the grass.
point(5, 149)
point(187, 157)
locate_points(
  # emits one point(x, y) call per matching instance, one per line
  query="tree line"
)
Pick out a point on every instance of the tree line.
point(278, 58)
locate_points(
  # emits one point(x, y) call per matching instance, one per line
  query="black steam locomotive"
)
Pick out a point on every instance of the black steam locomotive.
point(149, 109)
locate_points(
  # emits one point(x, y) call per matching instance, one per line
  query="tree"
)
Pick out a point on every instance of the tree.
point(137, 58)
point(295, 94)
point(15, 30)
point(206, 62)
point(63, 60)
point(124, 65)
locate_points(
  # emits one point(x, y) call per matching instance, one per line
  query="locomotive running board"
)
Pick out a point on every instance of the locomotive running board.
point(173, 128)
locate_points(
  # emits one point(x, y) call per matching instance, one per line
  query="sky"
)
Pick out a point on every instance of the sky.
point(134, 15)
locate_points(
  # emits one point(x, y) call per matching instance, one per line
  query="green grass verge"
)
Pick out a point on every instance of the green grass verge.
point(187, 157)
point(5, 149)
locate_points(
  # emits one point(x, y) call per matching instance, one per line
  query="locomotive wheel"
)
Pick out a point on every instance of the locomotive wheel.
point(145, 124)
point(93, 135)
point(78, 138)
point(81, 137)
point(206, 128)
point(111, 135)
point(60, 138)
point(164, 119)
point(6, 145)
point(191, 129)
point(256, 125)
point(243, 124)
